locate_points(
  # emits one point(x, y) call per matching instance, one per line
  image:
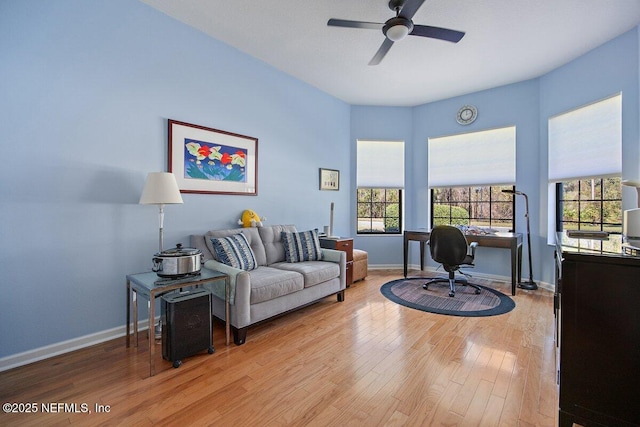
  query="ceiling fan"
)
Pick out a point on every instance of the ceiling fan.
point(398, 27)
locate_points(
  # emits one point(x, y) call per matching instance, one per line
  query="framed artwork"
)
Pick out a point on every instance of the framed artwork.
point(329, 179)
point(212, 161)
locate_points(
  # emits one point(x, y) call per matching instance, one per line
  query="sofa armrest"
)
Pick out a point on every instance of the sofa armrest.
point(236, 276)
point(239, 292)
point(331, 255)
point(339, 257)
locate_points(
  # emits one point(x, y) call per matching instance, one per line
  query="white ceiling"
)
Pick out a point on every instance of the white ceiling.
point(506, 41)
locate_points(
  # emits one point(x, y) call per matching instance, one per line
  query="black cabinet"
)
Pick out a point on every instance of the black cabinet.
point(598, 330)
point(186, 324)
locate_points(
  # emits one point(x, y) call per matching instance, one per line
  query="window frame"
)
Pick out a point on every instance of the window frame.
point(469, 202)
point(602, 225)
point(400, 203)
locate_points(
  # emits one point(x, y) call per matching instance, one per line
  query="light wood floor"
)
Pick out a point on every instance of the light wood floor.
point(364, 362)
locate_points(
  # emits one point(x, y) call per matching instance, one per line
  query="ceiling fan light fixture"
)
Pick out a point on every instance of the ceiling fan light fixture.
point(395, 29)
point(399, 27)
point(397, 33)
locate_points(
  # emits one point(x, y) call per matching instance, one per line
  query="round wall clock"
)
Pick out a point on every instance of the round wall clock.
point(466, 115)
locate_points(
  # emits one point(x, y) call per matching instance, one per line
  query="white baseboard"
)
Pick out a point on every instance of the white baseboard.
point(30, 356)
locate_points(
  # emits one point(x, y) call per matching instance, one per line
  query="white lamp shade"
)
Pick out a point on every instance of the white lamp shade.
point(633, 183)
point(160, 188)
point(397, 32)
point(631, 226)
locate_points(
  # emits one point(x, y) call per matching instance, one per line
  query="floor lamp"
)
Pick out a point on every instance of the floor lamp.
point(160, 189)
point(530, 285)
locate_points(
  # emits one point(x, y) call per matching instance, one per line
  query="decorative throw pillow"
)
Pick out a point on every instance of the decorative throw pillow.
point(234, 251)
point(302, 246)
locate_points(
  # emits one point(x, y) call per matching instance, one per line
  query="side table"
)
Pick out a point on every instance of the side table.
point(341, 244)
point(150, 286)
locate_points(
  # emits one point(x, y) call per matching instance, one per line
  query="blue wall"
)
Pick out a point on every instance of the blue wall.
point(515, 104)
point(86, 90)
point(604, 71)
point(85, 93)
point(381, 123)
point(504, 106)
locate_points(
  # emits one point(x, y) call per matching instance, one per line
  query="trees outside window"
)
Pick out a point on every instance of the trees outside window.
point(593, 204)
point(379, 211)
point(484, 206)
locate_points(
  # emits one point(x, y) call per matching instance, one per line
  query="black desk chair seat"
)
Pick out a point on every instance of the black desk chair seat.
point(449, 247)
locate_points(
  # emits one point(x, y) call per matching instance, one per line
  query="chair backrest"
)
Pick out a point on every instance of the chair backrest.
point(448, 245)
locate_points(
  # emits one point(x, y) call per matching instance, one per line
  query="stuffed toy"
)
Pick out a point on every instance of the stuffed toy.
point(251, 219)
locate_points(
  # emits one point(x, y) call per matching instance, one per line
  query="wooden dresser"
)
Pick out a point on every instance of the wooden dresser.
point(597, 307)
point(341, 244)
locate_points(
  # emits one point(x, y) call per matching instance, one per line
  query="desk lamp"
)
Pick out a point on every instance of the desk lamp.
point(160, 189)
point(530, 285)
point(631, 218)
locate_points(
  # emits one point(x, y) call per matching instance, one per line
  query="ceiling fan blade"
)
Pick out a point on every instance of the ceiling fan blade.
point(437, 33)
point(384, 48)
point(354, 24)
point(410, 7)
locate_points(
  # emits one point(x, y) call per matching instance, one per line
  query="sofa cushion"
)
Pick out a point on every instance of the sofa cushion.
point(269, 283)
point(301, 246)
point(314, 272)
point(272, 241)
point(252, 235)
point(234, 251)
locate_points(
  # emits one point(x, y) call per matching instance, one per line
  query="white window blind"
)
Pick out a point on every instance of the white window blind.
point(473, 159)
point(586, 142)
point(380, 164)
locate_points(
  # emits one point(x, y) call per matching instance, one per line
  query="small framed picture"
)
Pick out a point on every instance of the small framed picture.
point(329, 179)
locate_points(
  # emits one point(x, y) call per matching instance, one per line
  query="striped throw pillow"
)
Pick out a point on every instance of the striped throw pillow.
point(302, 246)
point(235, 251)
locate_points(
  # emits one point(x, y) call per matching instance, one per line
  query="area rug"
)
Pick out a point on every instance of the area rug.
point(409, 293)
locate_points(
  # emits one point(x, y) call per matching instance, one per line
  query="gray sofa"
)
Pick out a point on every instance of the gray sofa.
point(275, 286)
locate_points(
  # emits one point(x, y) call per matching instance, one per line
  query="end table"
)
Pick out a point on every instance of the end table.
point(150, 286)
point(341, 244)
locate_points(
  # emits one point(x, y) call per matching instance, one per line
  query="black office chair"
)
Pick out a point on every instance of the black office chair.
point(449, 247)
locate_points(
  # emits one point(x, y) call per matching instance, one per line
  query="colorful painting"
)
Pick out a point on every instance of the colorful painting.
point(211, 161)
point(203, 160)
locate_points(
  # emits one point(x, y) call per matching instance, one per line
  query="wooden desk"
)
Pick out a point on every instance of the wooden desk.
point(511, 241)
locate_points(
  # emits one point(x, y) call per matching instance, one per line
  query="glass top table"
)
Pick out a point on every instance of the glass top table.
point(149, 285)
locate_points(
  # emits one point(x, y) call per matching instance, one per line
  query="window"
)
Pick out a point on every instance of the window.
point(585, 166)
point(590, 204)
point(379, 210)
point(380, 181)
point(486, 207)
point(467, 173)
